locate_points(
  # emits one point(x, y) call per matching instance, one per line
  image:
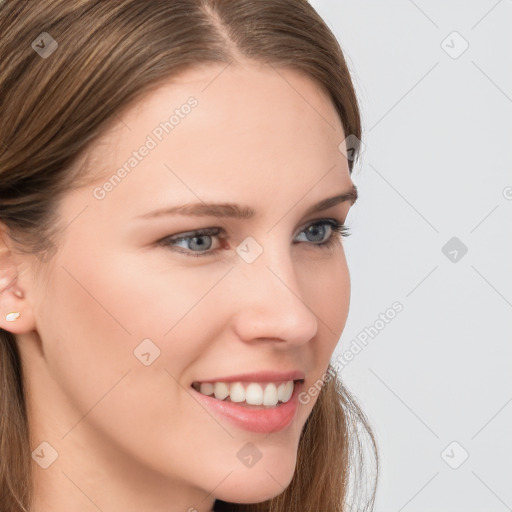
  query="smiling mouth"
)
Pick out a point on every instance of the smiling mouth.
point(249, 393)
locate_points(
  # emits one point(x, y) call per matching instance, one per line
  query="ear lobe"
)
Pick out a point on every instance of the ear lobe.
point(15, 312)
point(12, 296)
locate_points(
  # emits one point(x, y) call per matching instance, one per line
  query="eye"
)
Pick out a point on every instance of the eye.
point(325, 234)
point(318, 229)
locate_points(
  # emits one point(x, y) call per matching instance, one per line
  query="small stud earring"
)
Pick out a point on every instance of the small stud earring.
point(10, 317)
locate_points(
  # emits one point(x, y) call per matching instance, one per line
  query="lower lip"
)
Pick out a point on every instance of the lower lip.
point(264, 420)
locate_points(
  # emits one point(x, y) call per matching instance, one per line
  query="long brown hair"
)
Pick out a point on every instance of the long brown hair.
point(105, 55)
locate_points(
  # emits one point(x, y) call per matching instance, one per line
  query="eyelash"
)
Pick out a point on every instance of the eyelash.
point(338, 230)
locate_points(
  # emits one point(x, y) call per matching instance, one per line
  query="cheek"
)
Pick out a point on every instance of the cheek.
point(114, 320)
point(328, 293)
point(94, 319)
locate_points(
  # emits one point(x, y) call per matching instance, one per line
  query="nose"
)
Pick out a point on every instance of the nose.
point(270, 303)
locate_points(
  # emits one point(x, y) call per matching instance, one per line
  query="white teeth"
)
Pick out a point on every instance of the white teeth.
point(286, 392)
point(270, 395)
point(237, 392)
point(207, 388)
point(254, 393)
point(280, 391)
point(221, 390)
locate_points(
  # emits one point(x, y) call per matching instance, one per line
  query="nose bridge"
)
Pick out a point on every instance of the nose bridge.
point(272, 304)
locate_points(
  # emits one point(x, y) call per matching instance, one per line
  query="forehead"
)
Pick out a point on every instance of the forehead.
point(231, 100)
point(216, 129)
point(245, 85)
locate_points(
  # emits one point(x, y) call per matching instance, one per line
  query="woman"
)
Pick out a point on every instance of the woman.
point(136, 137)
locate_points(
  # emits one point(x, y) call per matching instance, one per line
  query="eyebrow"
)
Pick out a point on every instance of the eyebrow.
point(238, 211)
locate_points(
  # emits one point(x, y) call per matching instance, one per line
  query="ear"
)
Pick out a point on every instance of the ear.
point(13, 292)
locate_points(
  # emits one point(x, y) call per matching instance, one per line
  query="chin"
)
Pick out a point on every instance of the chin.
point(258, 483)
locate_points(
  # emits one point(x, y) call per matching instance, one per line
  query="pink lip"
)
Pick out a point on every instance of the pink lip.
point(265, 376)
point(261, 420)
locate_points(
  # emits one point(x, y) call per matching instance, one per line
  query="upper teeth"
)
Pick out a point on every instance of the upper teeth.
point(251, 392)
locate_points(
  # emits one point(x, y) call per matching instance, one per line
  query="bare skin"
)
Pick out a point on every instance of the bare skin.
point(131, 437)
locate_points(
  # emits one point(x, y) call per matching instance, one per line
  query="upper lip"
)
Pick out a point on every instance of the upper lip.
point(263, 376)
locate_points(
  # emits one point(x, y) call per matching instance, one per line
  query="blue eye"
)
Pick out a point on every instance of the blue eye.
point(199, 243)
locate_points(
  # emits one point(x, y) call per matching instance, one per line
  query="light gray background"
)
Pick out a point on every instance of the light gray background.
point(437, 160)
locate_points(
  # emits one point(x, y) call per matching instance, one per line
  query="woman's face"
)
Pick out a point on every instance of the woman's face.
point(128, 317)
